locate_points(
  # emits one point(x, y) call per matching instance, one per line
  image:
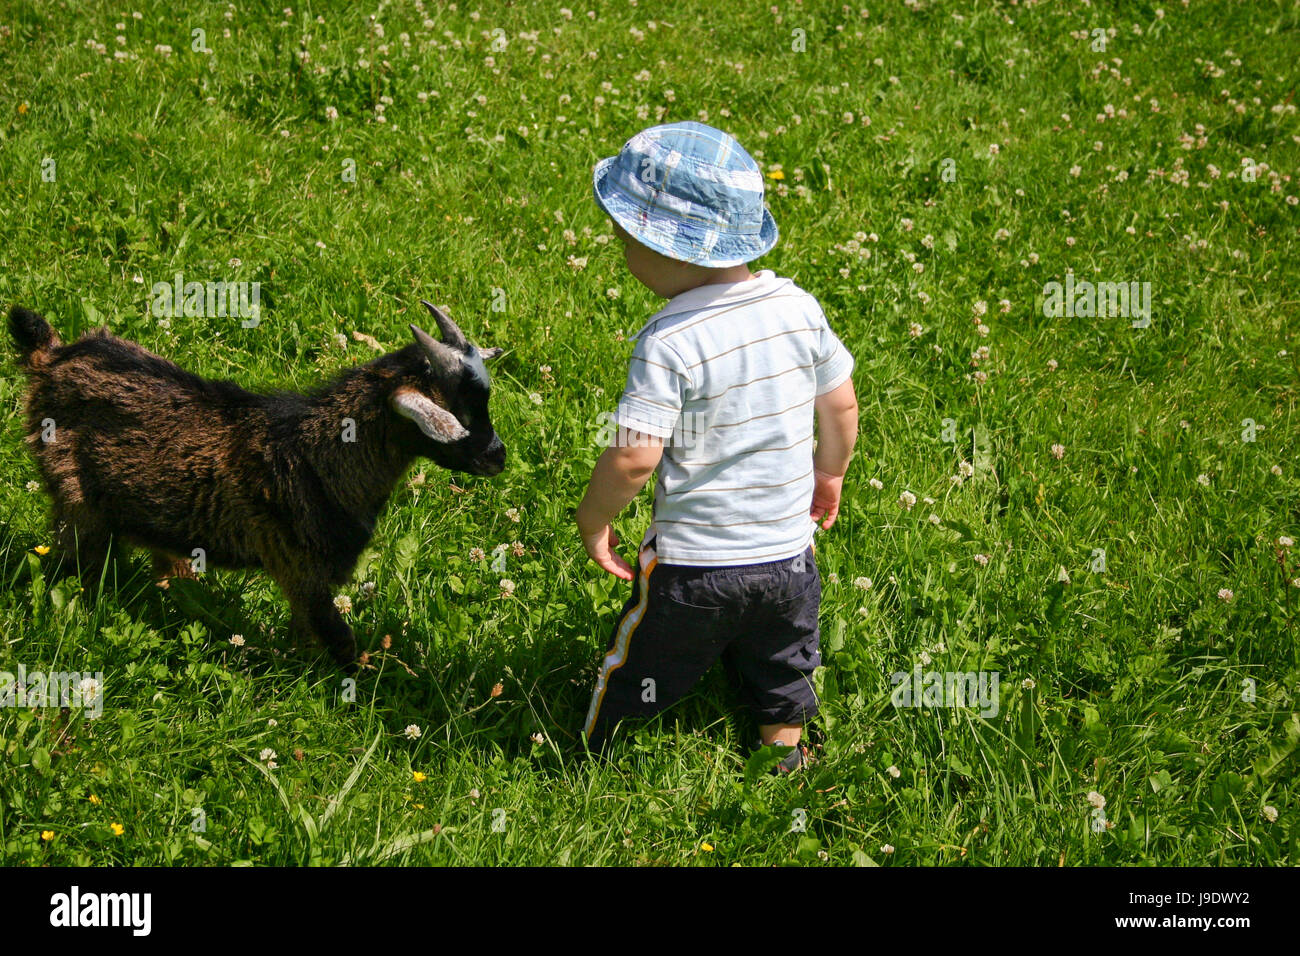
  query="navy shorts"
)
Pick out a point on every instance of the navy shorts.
point(760, 619)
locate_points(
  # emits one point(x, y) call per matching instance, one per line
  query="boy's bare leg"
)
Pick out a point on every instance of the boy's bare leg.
point(787, 735)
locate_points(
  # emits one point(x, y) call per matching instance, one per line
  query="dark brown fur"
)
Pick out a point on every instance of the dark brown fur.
point(147, 453)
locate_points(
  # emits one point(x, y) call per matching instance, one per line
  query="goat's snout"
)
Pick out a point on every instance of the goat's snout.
point(492, 460)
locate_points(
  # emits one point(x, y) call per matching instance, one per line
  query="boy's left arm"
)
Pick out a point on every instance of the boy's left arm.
point(620, 474)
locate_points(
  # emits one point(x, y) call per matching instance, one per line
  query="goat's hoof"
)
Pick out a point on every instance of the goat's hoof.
point(345, 658)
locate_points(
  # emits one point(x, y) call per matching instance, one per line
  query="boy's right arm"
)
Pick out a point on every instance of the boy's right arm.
point(837, 432)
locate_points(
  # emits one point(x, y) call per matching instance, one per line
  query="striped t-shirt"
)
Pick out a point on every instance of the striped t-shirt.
point(726, 374)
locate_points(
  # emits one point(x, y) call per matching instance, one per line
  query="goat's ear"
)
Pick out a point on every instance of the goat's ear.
point(489, 354)
point(435, 421)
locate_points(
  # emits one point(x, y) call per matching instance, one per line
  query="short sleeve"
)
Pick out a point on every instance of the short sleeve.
point(657, 381)
point(834, 363)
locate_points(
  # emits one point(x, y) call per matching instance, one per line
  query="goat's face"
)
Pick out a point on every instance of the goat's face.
point(448, 402)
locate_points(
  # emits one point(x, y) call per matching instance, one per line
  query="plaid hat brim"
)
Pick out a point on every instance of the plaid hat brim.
point(672, 237)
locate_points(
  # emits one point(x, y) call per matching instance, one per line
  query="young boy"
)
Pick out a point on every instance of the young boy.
point(720, 396)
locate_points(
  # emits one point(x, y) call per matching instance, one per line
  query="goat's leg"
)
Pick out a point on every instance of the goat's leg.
point(83, 537)
point(327, 623)
point(313, 607)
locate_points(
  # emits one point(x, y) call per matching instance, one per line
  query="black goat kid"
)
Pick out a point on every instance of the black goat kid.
point(134, 448)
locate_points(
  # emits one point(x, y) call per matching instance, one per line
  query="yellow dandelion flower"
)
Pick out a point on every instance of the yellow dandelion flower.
point(47, 835)
point(22, 108)
point(117, 829)
point(776, 174)
point(42, 549)
point(93, 799)
point(706, 847)
point(419, 777)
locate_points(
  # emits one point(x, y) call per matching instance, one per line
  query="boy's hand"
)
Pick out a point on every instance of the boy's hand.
point(826, 498)
point(600, 544)
point(620, 472)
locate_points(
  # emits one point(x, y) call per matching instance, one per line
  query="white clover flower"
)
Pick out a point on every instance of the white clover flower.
point(476, 554)
point(1225, 594)
point(538, 738)
point(907, 500)
point(1062, 575)
point(1270, 814)
point(266, 755)
point(33, 486)
point(966, 468)
point(886, 849)
point(982, 560)
point(934, 520)
point(1029, 683)
point(343, 603)
point(412, 731)
point(1058, 451)
point(1284, 541)
point(1276, 470)
point(513, 514)
point(1052, 365)
point(863, 583)
point(89, 689)
point(1203, 479)
point(237, 640)
point(1096, 799)
point(876, 483)
point(507, 587)
point(915, 330)
point(924, 659)
point(894, 772)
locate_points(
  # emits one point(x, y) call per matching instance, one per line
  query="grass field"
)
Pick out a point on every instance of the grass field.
point(933, 168)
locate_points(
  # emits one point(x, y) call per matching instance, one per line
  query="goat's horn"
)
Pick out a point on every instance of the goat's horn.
point(438, 353)
point(451, 333)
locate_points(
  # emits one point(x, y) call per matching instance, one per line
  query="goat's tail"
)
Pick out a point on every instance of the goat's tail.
point(32, 334)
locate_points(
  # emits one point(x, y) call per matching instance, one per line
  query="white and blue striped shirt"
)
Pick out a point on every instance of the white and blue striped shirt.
point(726, 374)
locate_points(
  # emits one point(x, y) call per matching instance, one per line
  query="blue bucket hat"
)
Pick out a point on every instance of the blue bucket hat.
point(689, 192)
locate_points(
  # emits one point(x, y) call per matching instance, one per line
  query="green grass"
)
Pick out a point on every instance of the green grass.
point(189, 161)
